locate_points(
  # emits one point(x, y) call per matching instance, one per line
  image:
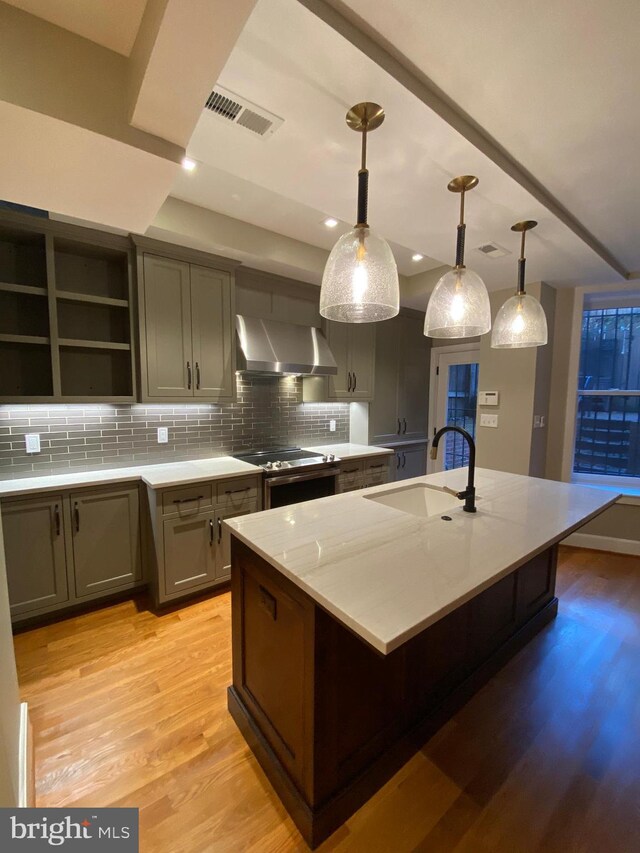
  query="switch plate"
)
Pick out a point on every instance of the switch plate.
point(489, 420)
point(32, 442)
point(538, 421)
point(163, 435)
point(332, 426)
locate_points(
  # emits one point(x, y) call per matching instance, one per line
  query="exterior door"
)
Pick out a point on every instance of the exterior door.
point(106, 540)
point(190, 546)
point(167, 312)
point(456, 396)
point(338, 337)
point(213, 328)
point(35, 554)
point(362, 344)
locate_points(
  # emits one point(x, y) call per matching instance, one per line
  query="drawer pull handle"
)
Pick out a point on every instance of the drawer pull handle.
point(404, 421)
point(381, 465)
point(350, 471)
point(236, 491)
point(268, 603)
point(57, 518)
point(188, 500)
point(210, 531)
point(219, 531)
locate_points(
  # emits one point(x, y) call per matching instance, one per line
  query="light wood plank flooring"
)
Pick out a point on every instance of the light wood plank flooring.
point(129, 708)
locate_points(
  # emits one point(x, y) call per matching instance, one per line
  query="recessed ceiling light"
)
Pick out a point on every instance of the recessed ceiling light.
point(417, 257)
point(188, 164)
point(330, 222)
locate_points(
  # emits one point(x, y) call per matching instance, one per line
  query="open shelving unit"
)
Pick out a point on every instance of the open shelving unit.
point(65, 313)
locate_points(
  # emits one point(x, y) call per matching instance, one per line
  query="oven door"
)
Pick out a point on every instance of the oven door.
point(296, 488)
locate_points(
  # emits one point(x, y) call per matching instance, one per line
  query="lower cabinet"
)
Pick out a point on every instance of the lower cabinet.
point(362, 473)
point(66, 549)
point(189, 552)
point(410, 461)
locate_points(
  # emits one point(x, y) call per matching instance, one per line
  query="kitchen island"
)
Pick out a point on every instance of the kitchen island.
point(362, 621)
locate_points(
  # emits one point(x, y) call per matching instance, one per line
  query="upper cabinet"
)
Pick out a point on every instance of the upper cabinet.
point(187, 330)
point(65, 313)
point(353, 346)
point(400, 407)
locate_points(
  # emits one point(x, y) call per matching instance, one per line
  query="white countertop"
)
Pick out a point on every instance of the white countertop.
point(157, 476)
point(387, 574)
point(350, 451)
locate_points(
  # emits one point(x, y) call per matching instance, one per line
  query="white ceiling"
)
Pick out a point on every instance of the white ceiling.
point(556, 84)
point(110, 23)
point(309, 75)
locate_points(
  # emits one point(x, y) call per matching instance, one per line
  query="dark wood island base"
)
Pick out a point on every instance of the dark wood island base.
point(328, 717)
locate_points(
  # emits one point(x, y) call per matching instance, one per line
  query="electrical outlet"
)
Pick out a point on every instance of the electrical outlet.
point(163, 435)
point(332, 426)
point(32, 442)
point(489, 420)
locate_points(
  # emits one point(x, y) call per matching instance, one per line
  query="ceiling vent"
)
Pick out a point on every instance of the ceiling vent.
point(492, 250)
point(230, 107)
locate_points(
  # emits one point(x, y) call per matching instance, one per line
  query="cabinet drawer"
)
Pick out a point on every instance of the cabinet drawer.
point(237, 493)
point(351, 475)
point(376, 471)
point(187, 499)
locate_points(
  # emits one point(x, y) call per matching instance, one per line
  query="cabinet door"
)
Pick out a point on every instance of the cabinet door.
point(106, 540)
point(340, 384)
point(35, 554)
point(411, 462)
point(223, 552)
point(190, 545)
point(362, 346)
point(384, 423)
point(167, 311)
point(413, 378)
point(213, 333)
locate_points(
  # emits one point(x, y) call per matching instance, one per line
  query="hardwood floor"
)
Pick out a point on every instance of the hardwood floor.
point(129, 708)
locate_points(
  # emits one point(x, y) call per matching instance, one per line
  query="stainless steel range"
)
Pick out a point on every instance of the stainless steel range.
point(292, 475)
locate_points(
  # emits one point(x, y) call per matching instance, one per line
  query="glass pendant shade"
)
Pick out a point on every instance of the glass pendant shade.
point(459, 306)
point(360, 281)
point(521, 322)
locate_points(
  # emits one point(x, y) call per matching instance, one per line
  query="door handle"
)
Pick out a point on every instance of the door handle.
point(56, 512)
point(189, 375)
point(197, 376)
point(404, 421)
point(210, 531)
point(349, 385)
point(355, 380)
point(404, 459)
point(76, 513)
point(399, 427)
point(397, 461)
point(219, 531)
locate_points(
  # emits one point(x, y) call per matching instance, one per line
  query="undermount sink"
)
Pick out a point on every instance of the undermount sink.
point(419, 499)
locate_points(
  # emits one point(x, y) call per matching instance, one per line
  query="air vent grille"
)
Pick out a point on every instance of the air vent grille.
point(492, 250)
point(231, 107)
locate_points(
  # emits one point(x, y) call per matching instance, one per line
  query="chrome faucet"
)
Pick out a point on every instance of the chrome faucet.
point(469, 494)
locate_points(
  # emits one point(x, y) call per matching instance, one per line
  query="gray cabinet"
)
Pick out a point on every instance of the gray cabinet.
point(187, 331)
point(411, 461)
point(362, 473)
point(105, 540)
point(68, 549)
point(400, 404)
point(189, 552)
point(35, 555)
point(353, 346)
point(223, 555)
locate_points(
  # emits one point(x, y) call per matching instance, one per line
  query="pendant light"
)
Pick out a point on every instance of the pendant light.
point(360, 281)
point(459, 305)
point(521, 321)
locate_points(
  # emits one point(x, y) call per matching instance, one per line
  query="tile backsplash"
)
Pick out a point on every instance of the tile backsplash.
point(269, 411)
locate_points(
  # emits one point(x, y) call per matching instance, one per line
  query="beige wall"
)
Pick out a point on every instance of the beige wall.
point(542, 391)
point(9, 699)
point(621, 521)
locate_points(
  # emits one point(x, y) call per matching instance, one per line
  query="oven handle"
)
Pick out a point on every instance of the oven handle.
point(294, 478)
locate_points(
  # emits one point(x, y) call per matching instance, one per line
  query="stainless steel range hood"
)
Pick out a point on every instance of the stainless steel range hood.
point(268, 346)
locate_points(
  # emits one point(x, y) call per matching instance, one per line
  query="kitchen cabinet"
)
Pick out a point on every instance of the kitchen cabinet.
point(400, 404)
point(411, 461)
point(35, 555)
point(189, 552)
point(71, 548)
point(353, 346)
point(362, 473)
point(187, 331)
point(106, 540)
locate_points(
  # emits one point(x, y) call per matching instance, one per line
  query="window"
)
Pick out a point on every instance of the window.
point(608, 423)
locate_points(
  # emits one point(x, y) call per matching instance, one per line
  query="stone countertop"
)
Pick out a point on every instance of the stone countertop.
point(350, 451)
point(387, 575)
point(159, 476)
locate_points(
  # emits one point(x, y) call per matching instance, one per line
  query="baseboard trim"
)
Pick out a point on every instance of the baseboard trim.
point(26, 769)
point(603, 543)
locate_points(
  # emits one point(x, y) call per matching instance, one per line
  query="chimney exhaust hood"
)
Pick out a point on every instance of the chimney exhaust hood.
point(269, 346)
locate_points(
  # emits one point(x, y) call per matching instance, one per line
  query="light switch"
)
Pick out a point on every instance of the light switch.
point(163, 435)
point(32, 442)
point(489, 420)
point(332, 426)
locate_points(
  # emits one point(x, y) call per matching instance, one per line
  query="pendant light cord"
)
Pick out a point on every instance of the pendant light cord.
point(363, 185)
